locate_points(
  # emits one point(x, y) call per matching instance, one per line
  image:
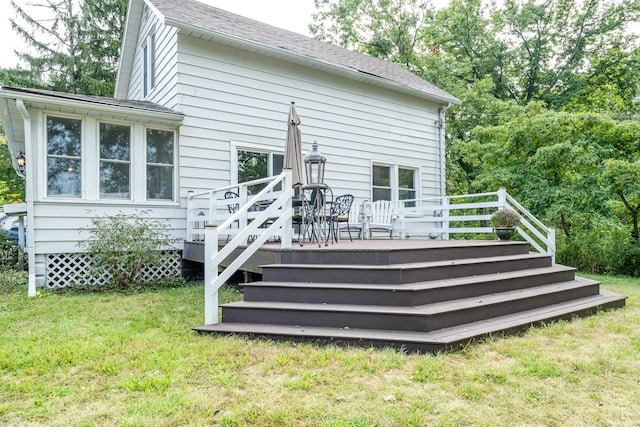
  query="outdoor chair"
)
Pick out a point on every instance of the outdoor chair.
point(339, 213)
point(382, 216)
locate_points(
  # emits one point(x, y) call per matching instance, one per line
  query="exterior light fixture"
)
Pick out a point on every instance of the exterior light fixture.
point(20, 160)
point(314, 163)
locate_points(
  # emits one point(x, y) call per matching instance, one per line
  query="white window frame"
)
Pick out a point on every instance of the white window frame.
point(255, 148)
point(132, 136)
point(149, 64)
point(175, 190)
point(395, 178)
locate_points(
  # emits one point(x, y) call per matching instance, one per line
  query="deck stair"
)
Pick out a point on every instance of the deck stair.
point(427, 297)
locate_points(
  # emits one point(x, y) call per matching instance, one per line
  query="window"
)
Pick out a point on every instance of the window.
point(64, 156)
point(255, 165)
point(149, 65)
point(381, 183)
point(391, 182)
point(160, 158)
point(407, 185)
point(115, 161)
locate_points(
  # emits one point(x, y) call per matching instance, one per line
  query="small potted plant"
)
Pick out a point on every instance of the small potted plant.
point(504, 223)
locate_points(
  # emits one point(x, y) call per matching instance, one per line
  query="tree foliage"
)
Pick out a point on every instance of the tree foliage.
point(549, 91)
point(74, 46)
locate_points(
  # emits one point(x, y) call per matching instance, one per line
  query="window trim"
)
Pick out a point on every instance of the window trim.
point(131, 162)
point(149, 65)
point(175, 190)
point(255, 148)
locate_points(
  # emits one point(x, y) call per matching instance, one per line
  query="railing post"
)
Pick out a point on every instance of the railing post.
point(366, 219)
point(445, 215)
point(551, 246)
point(243, 196)
point(287, 229)
point(502, 198)
point(213, 208)
point(210, 275)
point(189, 216)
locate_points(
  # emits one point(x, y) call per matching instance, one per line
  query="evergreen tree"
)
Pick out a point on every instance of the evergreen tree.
point(75, 47)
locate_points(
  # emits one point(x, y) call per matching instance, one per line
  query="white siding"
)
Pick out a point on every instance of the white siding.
point(164, 92)
point(59, 226)
point(230, 95)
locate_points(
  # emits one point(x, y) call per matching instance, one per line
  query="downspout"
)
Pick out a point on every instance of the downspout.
point(28, 189)
point(442, 149)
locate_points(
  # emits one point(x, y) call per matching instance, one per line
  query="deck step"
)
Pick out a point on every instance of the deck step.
point(432, 341)
point(403, 273)
point(401, 251)
point(408, 294)
point(417, 318)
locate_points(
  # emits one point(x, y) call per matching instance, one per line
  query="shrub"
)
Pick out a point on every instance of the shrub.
point(600, 246)
point(10, 254)
point(505, 218)
point(123, 245)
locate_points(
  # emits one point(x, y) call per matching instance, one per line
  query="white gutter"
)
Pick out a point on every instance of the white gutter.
point(441, 147)
point(29, 194)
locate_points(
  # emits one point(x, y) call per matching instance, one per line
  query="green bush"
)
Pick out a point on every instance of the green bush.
point(123, 245)
point(10, 254)
point(602, 246)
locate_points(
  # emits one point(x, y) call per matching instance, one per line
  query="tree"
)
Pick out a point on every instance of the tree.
point(75, 49)
point(11, 185)
point(389, 29)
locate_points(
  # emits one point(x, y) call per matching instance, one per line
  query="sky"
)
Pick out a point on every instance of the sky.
point(293, 15)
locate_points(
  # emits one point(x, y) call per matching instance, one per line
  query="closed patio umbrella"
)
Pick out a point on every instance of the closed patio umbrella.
point(293, 147)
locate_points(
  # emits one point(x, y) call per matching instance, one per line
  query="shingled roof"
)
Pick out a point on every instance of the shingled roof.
point(194, 14)
point(97, 100)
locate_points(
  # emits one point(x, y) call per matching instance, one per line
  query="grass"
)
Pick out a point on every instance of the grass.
point(112, 359)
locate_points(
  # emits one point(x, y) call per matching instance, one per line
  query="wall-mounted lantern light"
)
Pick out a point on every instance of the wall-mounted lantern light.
point(20, 160)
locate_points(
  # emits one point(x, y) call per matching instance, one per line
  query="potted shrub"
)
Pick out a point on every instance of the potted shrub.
point(504, 223)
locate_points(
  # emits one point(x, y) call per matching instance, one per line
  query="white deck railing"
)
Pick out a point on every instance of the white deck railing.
point(439, 217)
point(210, 220)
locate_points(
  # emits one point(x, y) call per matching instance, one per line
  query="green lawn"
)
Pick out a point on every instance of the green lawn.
point(132, 360)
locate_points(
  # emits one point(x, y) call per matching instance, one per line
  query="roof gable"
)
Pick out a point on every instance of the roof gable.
point(193, 16)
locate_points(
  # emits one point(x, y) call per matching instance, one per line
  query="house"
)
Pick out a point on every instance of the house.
point(198, 90)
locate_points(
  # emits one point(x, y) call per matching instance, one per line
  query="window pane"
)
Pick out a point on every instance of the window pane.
point(115, 142)
point(63, 136)
point(160, 146)
point(63, 177)
point(278, 163)
point(381, 194)
point(276, 168)
point(406, 178)
point(382, 176)
point(253, 166)
point(114, 180)
point(160, 182)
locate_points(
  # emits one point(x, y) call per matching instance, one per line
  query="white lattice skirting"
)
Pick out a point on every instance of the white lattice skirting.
point(63, 270)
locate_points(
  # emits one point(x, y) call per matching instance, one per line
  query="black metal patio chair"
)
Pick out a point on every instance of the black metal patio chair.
point(339, 213)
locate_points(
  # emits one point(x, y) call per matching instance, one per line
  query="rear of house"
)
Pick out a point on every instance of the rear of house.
point(200, 91)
